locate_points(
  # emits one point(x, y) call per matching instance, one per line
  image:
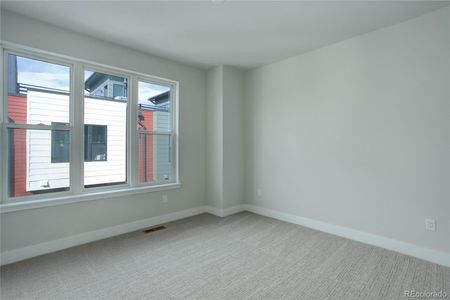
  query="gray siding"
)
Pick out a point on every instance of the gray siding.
point(162, 165)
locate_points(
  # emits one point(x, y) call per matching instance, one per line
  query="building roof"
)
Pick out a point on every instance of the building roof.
point(97, 79)
point(160, 99)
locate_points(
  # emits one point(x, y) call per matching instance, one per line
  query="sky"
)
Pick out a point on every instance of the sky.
point(147, 90)
point(40, 73)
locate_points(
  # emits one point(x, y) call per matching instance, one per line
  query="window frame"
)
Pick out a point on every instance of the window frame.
point(173, 155)
point(128, 76)
point(7, 126)
point(77, 191)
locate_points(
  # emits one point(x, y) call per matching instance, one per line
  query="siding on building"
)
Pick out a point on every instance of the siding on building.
point(45, 108)
point(17, 112)
point(113, 114)
point(146, 148)
point(32, 169)
point(163, 166)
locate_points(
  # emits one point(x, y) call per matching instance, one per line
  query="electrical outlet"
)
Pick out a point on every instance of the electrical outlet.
point(165, 199)
point(258, 193)
point(430, 224)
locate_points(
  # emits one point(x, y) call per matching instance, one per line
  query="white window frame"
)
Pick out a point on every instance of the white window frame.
point(77, 191)
point(171, 133)
point(128, 182)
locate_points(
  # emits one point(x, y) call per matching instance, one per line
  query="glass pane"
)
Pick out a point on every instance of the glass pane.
point(155, 164)
point(38, 91)
point(30, 167)
point(105, 135)
point(154, 107)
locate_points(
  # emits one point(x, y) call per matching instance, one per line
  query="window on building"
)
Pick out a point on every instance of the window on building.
point(118, 90)
point(60, 144)
point(95, 145)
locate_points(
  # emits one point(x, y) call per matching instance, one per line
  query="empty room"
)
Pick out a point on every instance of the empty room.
point(225, 150)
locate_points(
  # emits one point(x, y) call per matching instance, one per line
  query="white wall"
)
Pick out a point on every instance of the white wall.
point(29, 227)
point(225, 160)
point(214, 136)
point(357, 134)
point(233, 136)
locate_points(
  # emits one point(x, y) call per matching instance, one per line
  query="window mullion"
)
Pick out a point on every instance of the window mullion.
point(77, 132)
point(155, 132)
point(37, 126)
point(133, 141)
point(175, 136)
point(3, 130)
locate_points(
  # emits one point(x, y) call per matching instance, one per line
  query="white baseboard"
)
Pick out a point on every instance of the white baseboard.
point(439, 257)
point(15, 255)
point(435, 256)
point(225, 211)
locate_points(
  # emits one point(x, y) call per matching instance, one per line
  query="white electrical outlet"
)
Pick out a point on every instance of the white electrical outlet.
point(430, 224)
point(258, 192)
point(165, 199)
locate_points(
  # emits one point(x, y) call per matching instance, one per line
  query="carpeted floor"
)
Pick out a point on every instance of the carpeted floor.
point(238, 257)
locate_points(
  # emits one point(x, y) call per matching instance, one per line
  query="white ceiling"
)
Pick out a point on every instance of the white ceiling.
point(204, 34)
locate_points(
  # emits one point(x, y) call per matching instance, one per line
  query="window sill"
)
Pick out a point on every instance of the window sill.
point(33, 204)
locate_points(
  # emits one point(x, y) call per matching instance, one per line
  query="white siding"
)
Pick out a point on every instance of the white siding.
point(45, 108)
point(112, 114)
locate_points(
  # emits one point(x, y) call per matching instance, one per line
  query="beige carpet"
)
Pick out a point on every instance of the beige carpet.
point(238, 257)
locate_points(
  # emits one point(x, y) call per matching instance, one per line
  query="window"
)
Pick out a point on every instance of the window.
point(95, 142)
point(64, 142)
point(118, 90)
point(38, 107)
point(155, 132)
point(60, 144)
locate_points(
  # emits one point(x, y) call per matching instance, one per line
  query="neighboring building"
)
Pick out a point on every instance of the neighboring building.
point(107, 86)
point(41, 158)
point(154, 116)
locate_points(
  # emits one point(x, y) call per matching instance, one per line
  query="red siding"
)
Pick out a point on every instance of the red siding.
point(17, 112)
point(147, 122)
